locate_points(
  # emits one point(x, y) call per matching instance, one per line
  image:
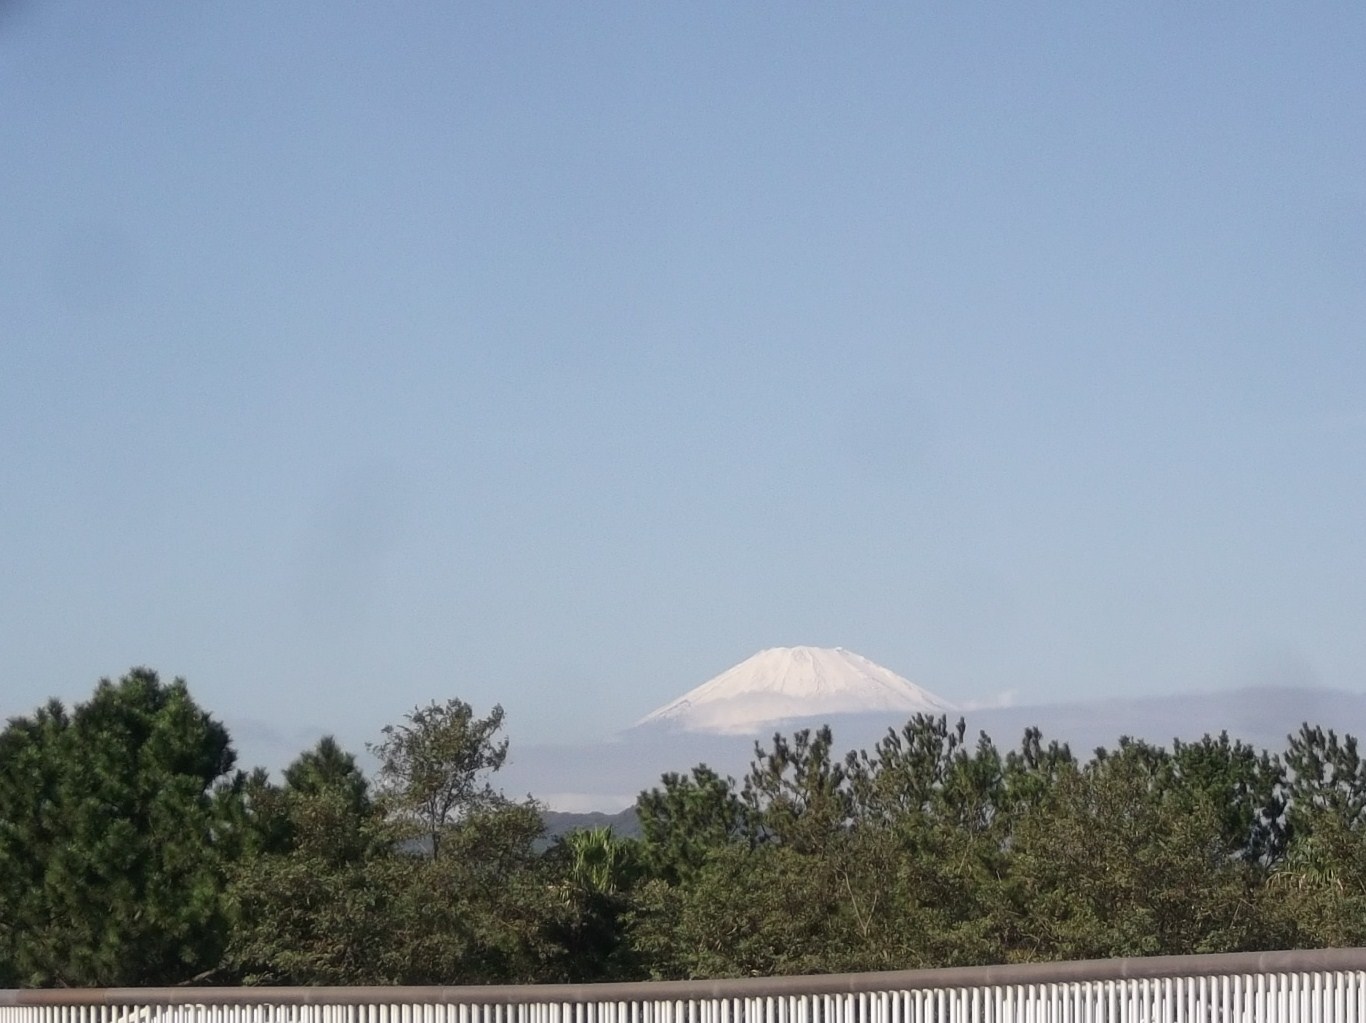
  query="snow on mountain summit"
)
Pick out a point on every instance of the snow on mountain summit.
point(784, 683)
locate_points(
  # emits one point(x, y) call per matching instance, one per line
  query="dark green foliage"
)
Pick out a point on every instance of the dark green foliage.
point(434, 767)
point(929, 852)
point(796, 793)
point(109, 867)
point(768, 910)
point(683, 823)
point(129, 854)
point(32, 776)
point(305, 915)
point(1245, 789)
point(597, 876)
point(327, 768)
point(1318, 887)
point(1317, 893)
point(345, 900)
point(477, 914)
point(598, 863)
point(1325, 774)
point(1115, 862)
point(901, 780)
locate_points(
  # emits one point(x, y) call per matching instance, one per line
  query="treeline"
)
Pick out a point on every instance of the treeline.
point(133, 852)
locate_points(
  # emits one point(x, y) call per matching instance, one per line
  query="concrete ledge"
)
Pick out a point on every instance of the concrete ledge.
point(1155, 967)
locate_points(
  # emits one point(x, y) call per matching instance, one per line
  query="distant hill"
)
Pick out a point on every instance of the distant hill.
point(605, 773)
point(624, 825)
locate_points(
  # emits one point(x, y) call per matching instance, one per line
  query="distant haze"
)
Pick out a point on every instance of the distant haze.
point(719, 722)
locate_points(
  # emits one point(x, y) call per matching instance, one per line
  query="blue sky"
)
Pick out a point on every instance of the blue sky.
point(563, 355)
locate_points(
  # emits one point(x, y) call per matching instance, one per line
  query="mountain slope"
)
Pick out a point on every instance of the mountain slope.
point(558, 824)
point(786, 683)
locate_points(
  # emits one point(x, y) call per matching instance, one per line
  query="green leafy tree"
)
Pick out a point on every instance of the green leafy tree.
point(434, 768)
point(349, 899)
point(304, 915)
point(1317, 892)
point(599, 863)
point(111, 866)
point(1318, 888)
point(1117, 862)
point(762, 911)
point(688, 817)
point(596, 873)
point(481, 913)
point(901, 779)
point(1325, 773)
point(327, 768)
point(933, 826)
point(1031, 772)
point(1246, 788)
point(32, 771)
point(796, 793)
point(484, 911)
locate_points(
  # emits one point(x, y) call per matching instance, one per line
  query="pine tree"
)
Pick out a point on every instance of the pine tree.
point(109, 867)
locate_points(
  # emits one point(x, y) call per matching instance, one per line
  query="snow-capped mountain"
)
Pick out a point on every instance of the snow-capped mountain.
point(786, 683)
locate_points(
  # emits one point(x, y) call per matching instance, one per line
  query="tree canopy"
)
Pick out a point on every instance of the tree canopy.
point(435, 765)
point(132, 852)
point(110, 870)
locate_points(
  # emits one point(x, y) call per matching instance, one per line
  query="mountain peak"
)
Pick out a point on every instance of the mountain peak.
point(783, 683)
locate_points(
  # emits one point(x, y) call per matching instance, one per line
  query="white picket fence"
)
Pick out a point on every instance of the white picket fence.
point(1324, 986)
